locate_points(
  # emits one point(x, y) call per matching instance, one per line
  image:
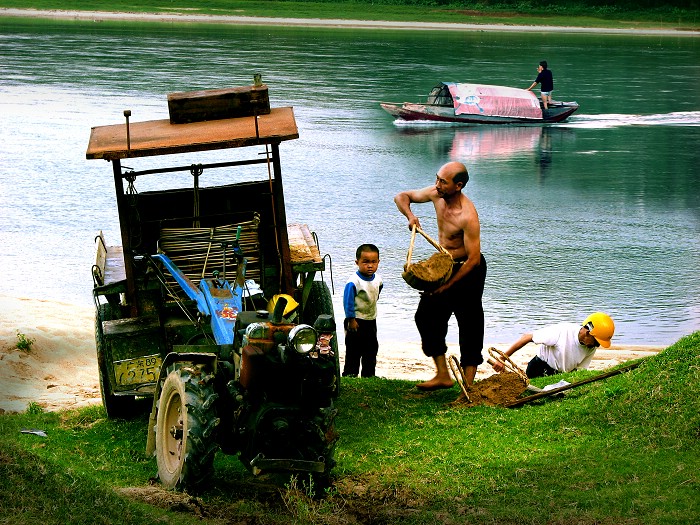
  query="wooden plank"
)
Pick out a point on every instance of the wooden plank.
point(114, 267)
point(311, 243)
point(160, 137)
point(100, 259)
point(109, 262)
point(213, 104)
point(302, 246)
point(298, 249)
point(197, 251)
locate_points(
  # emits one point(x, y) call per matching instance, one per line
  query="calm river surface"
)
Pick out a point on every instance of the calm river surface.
point(599, 213)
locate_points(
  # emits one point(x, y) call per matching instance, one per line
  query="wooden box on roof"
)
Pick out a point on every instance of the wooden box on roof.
point(214, 104)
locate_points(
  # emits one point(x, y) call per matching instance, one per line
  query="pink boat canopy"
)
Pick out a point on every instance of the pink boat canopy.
point(494, 101)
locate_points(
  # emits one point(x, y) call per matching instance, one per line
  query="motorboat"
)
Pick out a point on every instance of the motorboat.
point(480, 104)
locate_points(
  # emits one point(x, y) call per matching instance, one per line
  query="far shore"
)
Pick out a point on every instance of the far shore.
point(99, 16)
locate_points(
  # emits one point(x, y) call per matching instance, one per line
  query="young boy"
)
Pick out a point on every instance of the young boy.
point(360, 302)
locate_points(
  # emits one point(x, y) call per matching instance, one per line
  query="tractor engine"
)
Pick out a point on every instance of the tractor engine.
point(284, 387)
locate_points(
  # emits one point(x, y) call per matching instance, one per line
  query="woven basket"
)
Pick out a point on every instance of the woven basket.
point(431, 273)
point(508, 365)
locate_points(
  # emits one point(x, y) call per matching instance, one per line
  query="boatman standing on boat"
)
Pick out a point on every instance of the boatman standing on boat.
point(460, 234)
point(546, 81)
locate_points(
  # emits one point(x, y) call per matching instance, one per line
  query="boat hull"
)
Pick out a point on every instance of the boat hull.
point(413, 112)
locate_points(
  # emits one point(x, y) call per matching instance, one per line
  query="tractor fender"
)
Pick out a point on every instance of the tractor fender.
point(173, 361)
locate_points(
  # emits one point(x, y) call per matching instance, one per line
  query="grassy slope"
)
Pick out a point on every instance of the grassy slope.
point(533, 14)
point(620, 451)
point(624, 450)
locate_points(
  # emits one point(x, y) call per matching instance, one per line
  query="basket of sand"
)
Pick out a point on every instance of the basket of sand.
point(431, 273)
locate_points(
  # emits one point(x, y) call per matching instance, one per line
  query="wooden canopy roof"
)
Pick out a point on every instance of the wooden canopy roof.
point(160, 137)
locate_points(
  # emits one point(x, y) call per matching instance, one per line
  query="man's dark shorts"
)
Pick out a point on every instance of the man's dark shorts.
point(464, 301)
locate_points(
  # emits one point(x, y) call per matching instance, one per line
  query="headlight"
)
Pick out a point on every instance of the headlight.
point(255, 331)
point(302, 338)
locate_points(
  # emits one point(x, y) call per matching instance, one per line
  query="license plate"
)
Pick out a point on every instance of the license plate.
point(136, 371)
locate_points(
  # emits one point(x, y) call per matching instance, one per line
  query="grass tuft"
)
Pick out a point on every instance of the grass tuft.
point(24, 343)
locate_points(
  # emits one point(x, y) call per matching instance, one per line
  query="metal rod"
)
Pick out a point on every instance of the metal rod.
point(127, 114)
point(188, 168)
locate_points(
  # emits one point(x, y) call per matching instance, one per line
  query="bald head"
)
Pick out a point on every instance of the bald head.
point(456, 171)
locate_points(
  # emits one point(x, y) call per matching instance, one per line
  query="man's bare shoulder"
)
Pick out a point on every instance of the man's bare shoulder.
point(427, 194)
point(469, 208)
point(462, 211)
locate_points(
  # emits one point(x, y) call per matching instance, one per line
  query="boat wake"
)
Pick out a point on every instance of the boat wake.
point(678, 118)
point(409, 124)
point(611, 120)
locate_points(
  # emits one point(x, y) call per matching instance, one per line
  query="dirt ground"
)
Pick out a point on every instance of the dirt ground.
point(60, 371)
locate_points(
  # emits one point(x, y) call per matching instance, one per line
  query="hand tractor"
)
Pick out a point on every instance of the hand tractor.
point(248, 365)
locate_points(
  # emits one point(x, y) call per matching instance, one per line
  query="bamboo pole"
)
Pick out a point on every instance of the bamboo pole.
point(524, 400)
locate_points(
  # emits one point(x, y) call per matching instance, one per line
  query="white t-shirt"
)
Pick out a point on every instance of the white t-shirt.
point(560, 347)
point(360, 296)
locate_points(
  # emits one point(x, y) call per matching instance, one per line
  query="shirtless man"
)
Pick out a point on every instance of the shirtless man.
point(459, 233)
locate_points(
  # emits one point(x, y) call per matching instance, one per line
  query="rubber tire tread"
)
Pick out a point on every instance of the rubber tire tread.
point(320, 302)
point(200, 444)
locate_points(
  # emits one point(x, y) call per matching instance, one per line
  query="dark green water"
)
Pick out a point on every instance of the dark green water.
point(599, 213)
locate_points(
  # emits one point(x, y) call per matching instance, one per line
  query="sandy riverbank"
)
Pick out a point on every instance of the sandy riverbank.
point(98, 16)
point(60, 370)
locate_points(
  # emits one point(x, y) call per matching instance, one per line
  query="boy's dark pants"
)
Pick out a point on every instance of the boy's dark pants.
point(361, 347)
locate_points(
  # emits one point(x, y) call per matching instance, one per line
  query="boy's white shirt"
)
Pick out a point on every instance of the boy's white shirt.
point(367, 296)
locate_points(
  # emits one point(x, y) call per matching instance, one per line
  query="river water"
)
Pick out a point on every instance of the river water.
point(601, 212)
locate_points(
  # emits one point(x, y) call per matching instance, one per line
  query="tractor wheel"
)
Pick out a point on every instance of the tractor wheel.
point(115, 406)
point(185, 428)
point(320, 302)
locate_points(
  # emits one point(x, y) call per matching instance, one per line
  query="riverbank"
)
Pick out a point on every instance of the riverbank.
point(103, 16)
point(59, 369)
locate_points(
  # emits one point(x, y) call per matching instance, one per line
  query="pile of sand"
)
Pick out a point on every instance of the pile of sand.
point(495, 390)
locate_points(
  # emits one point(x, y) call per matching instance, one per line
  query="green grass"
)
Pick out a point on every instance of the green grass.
point(24, 343)
point(553, 13)
point(625, 450)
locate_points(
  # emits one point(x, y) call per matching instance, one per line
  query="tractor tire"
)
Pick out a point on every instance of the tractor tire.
point(115, 406)
point(320, 302)
point(185, 427)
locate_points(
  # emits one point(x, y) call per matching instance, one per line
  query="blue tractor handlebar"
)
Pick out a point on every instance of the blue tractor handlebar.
point(215, 297)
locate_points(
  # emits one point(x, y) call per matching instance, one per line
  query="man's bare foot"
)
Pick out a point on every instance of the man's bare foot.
point(435, 384)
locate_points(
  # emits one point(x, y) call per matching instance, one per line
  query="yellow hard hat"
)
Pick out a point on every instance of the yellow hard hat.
point(291, 304)
point(601, 326)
